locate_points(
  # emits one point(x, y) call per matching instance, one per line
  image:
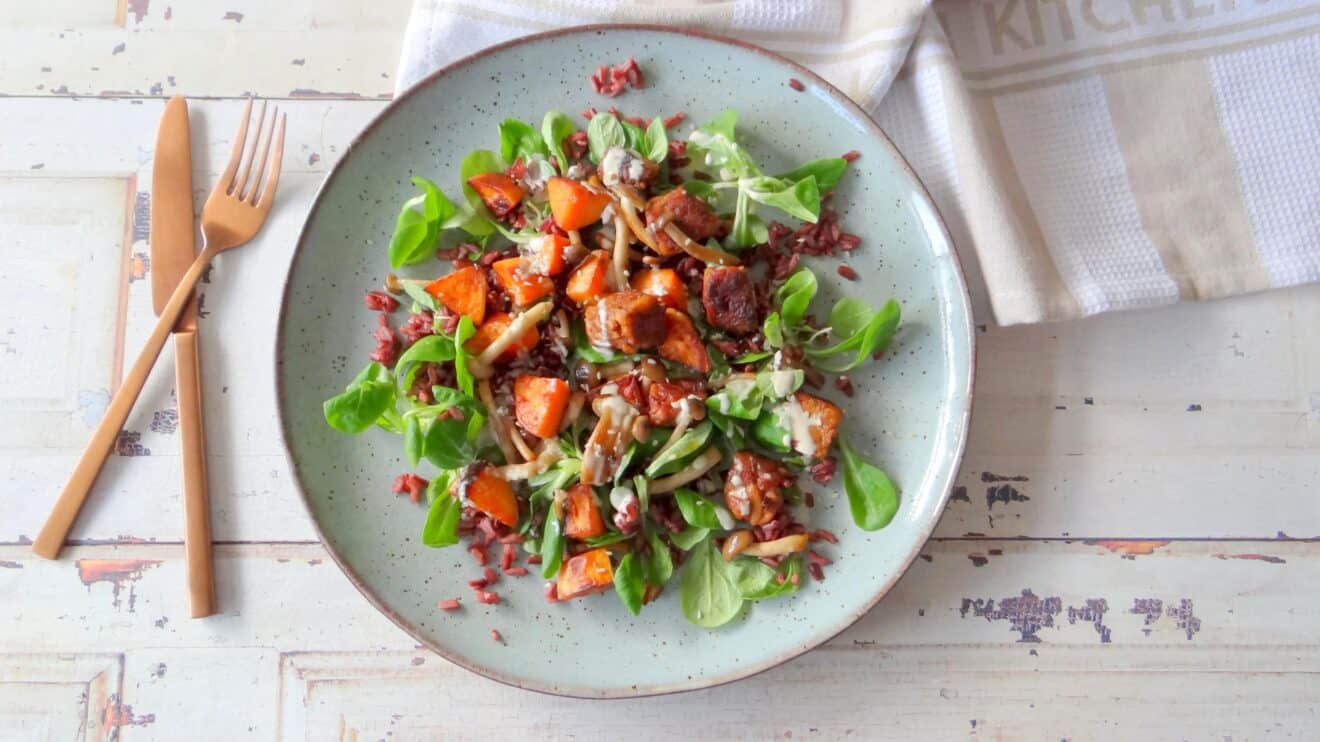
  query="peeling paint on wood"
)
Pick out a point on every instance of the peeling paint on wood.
point(117, 715)
point(117, 572)
point(1129, 549)
point(1026, 614)
point(1254, 557)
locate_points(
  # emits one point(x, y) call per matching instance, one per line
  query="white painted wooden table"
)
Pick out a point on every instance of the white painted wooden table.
point(1132, 550)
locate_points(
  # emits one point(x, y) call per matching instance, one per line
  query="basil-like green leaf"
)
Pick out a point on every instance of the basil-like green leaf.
point(657, 141)
point(552, 545)
point(742, 234)
point(441, 528)
point(688, 537)
point(628, 580)
point(416, 231)
point(417, 292)
point(697, 510)
point(519, 139)
point(604, 132)
point(730, 428)
point(872, 497)
point(555, 128)
point(794, 296)
point(446, 443)
point(753, 357)
point(870, 339)
point(715, 149)
point(826, 171)
point(800, 199)
point(758, 581)
point(658, 566)
point(701, 189)
point(434, 348)
point(687, 445)
point(643, 491)
point(462, 333)
point(708, 592)
point(634, 138)
point(608, 539)
point(477, 162)
point(770, 432)
point(414, 443)
point(773, 330)
point(849, 315)
point(740, 398)
point(369, 396)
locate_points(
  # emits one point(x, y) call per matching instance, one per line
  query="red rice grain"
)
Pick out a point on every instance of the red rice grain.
point(516, 571)
point(489, 576)
point(451, 604)
point(379, 301)
point(507, 557)
point(844, 384)
point(477, 584)
point(823, 471)
point(551, 592)
point(487, 597)
point(409, 484)
point(479, 553)
point(796, 84)
point(820, 534)
point(534, 559)
point(613, 81)
point(817, 573)
point(809, 499)
point(674, 120)
point(497, 636)
point(387, 343)
point(850, 155)
point(816, 558)
point(589, 112)
point(847, 272)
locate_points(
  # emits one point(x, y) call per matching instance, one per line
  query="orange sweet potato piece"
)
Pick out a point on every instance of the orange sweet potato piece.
point(729, 297)
point(539, 403)
point(487, 491)
point(690, 214)
point(683, 344)
point(544, 255)
point(627, 321)
point(573, 204)
point(499, 192)
point(825, 417)
point(590, 279)
point(462, 292)
point(524, 289)
point(491, 329)
point(582, 519)
point(584, 574)
point(665, 285)
point(753, 487)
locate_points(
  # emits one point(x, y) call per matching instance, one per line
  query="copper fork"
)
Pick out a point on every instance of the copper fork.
point(233, 214)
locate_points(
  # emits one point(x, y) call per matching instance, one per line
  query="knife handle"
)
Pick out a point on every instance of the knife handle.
point(50, 539)
point(196, 504)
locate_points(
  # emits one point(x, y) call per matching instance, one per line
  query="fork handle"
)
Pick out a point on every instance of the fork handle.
point(196, 505)
point(50, 539)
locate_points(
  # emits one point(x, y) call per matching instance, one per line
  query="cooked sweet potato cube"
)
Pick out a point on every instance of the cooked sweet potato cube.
point(544, 255)
point(582, 519)
point(665, 285)
point(590, 279)
point(729, 299)
point(627, 321)
point(499, 192)
point(692, 215)
point(462, 292)
point(492, 328)
point(664, 399)
point(523, 288)
point(575, 205)
point(682, 343)
point(482, 486)
point(539, 403)
point(823, 419)
point(753, 487)
point(584, 574)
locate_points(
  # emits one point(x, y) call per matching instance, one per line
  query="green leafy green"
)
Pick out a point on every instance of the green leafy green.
point(657, 141)
point(687, 445)
point(715, 149)
point(607, 539)
point(708, 591)
point(416, 291)
point(519, 139)
point(872, 497)
point(441, 528)
point(773, 330)
point(769, 432)
point(741, 397)
point(697, 510)
point(446, 443)
point(414, 442)
point(730, 428)
point(859, 343)
point(434, 348)
point(582, 347)
point(369, 396)
point(800, 199)
point(827, 172)
point(758, 581)
point(701, 189)
point(689, 537)
point(552, 545)
point(462, 334)
point(555, 128)
point(629, 583)
point(658, 566)
point(794, 296)
point(634, 137)
point(604, 132)
point(419, 223)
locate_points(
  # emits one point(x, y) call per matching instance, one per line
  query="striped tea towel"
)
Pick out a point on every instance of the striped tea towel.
point(1088, 155)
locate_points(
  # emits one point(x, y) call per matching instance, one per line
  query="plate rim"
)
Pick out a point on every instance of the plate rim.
point(963, 416)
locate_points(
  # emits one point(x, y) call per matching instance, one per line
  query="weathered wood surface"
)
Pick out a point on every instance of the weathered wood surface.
point(1134, 549)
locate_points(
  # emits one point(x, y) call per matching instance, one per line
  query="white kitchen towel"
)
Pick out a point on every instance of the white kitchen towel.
point(1088, 155)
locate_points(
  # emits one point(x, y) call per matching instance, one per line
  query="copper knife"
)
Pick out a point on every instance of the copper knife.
point(173, 249)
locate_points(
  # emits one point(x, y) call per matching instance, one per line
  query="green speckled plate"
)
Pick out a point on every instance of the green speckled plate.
point(910, 413)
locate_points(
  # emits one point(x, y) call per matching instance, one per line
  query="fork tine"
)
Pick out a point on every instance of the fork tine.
point(235, 152)
point(240, 182)
point(250, 194)
point(263, 198)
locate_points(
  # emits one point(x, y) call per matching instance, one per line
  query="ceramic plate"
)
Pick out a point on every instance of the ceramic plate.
point(910, 414)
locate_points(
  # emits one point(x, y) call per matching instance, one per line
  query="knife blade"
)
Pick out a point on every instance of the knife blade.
point(173, 249)
point(173, 245)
